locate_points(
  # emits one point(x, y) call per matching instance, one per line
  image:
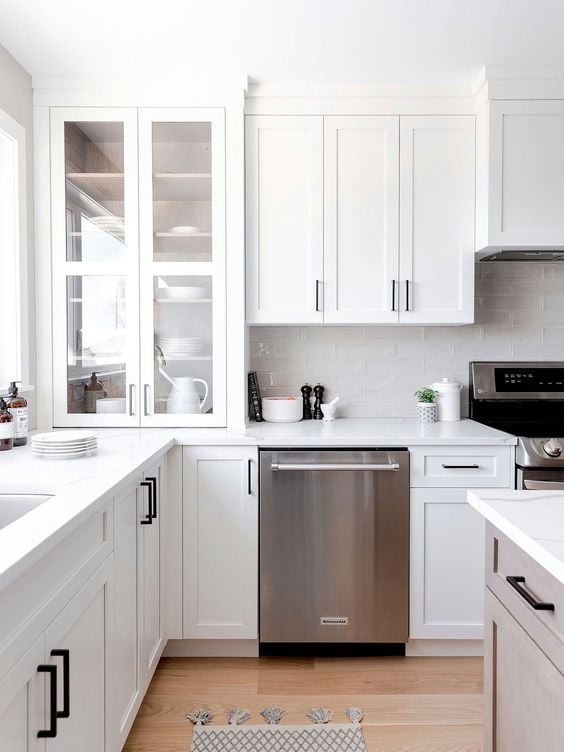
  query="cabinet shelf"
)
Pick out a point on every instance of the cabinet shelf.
point(186, 300)
point(182, 186)
point(180, 235)
point(101, 186)
point(175, 358)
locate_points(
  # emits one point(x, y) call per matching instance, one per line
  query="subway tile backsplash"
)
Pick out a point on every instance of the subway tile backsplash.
point(376, 369)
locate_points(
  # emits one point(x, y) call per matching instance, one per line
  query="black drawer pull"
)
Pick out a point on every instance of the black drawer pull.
point(153, 480)
point(52, 730)
point(65, 655)
point(149, 516)
point(537, 605)
point(461, 467)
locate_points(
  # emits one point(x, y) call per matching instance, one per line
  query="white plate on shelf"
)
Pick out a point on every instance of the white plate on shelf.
point(185, 230)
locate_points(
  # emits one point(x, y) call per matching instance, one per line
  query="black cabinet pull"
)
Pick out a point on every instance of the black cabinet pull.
point(149, 516)
point(317, 285)
point(407, 301)
point(153, 480)
point(393, 294)
point(250, 477)
point(537, 605)
point(52, 730)
point(461, 467)
point(65, 655)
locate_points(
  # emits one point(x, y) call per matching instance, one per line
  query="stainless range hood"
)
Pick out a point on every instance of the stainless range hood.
point(540, 255)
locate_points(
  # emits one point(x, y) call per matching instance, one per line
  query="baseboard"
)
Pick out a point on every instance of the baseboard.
point(444, 647)
point(211, 649)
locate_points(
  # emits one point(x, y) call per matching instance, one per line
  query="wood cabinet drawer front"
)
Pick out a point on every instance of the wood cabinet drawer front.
point(472, 468)
point(505, 559)
point(35, 598)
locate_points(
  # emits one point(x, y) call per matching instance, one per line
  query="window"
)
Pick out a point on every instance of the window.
point(14, 354)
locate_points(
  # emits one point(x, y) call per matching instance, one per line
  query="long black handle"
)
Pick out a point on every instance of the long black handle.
point(393, 294)
point(461, 467)
point(407, 302)
point(149, 517)
point(317, 284)
point(65, 655)
point(537, 605)
point(52, 730)
point(250, 477)
point(153, 480)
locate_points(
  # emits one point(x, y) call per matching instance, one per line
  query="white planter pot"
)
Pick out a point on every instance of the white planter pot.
point(426, 412)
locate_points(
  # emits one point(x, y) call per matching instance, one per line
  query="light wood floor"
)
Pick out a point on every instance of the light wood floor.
point(410, 704)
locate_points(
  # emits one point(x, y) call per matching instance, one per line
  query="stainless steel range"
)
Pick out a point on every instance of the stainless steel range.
point(525, 399)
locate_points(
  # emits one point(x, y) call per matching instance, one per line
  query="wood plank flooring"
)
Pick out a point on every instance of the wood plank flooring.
point(410, 704)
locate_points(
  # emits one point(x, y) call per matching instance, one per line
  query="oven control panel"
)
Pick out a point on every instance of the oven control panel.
point(517, 379)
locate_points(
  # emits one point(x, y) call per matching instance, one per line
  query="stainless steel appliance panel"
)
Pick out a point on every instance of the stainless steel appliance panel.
point(334, 546)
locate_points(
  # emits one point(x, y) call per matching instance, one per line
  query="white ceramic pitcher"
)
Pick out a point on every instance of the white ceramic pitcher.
point(184, 397)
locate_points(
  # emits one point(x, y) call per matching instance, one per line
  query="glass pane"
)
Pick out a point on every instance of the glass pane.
point(183, 345)
point(182, 191)
point(94, 191)
point(96, 370)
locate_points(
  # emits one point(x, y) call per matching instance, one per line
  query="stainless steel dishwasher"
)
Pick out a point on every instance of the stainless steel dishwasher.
point(334, 546)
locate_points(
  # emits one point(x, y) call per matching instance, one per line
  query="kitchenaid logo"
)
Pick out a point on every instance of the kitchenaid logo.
point(333, 620)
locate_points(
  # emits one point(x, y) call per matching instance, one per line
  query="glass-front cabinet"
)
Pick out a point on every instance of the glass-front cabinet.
point(138, 248)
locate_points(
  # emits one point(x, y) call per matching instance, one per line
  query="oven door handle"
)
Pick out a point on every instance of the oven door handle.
point(543, 485)
point(394, 466)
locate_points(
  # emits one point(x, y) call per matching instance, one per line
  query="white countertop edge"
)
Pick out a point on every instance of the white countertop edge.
point(553, 564)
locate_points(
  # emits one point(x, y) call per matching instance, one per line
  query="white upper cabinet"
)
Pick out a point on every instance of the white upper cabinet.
point(360, 219)
point(284, 169)
point(361, 201)
point(521, 174)
point(437, 189)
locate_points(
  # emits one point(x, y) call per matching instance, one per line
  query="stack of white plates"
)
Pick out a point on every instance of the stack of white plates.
point(178, 347)
point(64, 444)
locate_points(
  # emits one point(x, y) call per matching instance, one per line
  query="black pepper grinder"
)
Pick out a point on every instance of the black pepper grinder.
point(318, 392)
point(306, 396)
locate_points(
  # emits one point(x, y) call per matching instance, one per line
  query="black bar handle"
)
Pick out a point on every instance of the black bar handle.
point(317, 284)
point(393, 294)
point(461, 467)
point(149, 517)
point(407, 307)
point(537, 605)
point(153, 480)
point(51, 732)
point(250, 477)
point(65, 655)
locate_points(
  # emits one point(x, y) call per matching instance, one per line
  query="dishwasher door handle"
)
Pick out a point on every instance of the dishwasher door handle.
point(393, 466)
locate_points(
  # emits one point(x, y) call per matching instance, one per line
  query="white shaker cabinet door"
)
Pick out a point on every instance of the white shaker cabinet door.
point(437, 218)
point(220, 543)
point(23, 709)
point(361, 206)
point(284, 195)
point(447, 566)
point(521, 193)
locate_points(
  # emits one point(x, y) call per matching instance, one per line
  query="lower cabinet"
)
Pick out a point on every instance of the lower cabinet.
point(446, 566)
point(54, 699)
point(524, 690)
point(139, 593)
point(220, 567)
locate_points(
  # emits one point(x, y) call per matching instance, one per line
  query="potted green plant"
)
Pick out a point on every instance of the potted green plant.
point(426, 407)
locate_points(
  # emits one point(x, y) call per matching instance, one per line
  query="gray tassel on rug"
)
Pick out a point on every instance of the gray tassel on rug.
point(201, 717)
point(355, 715)
point(319, 715)
point(273, 715)
point(235, 717)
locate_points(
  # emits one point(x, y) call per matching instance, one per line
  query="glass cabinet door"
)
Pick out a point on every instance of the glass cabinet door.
point(95, 266)
point(182, 237)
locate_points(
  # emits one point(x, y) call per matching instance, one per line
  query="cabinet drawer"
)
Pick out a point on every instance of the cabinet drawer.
point(469, 467)
point(546, 627)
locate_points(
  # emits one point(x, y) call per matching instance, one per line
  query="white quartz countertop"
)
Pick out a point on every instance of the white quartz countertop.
point(376, 432)
point(533, 520)
point(79, 485)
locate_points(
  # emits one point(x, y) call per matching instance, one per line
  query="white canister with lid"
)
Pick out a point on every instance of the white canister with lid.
point(448, 399)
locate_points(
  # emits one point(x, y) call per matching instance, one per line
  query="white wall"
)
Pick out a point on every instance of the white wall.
point(376, 369)
point(16, 99)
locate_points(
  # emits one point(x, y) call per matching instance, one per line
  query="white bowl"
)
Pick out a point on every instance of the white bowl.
point(282, 410)
point(110, 405)
point(185, 230)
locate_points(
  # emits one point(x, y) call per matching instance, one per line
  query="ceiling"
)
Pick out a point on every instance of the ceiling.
point(302, 41)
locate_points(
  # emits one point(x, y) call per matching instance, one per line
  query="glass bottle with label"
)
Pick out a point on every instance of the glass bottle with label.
point(93, 391)
point(17, 406)
point(6, 427)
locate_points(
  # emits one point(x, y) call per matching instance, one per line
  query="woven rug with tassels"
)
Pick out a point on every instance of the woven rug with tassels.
point(321, 736)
